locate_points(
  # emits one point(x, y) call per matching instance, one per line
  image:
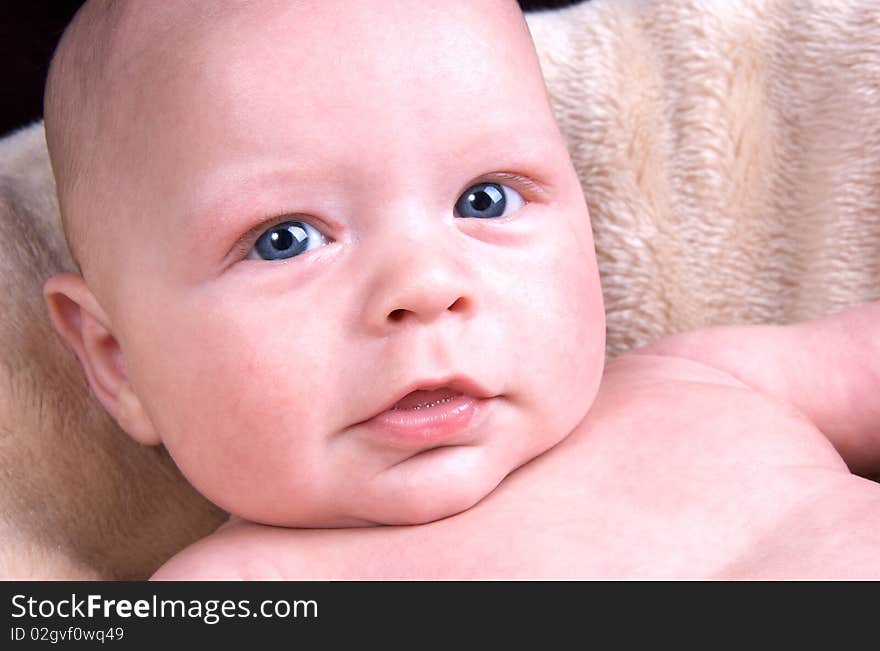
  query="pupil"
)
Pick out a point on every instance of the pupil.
point(282, 240)
point(480, 200)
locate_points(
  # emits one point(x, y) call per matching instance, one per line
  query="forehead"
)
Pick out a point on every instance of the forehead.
point(343, 67)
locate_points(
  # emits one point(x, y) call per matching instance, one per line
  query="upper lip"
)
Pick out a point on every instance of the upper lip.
point(461, 383)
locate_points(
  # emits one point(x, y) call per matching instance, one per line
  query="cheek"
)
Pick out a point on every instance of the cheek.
point(235, 395)
point(561, 338)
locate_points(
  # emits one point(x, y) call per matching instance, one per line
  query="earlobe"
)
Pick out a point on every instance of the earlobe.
point(131, 417)
point(82, 323)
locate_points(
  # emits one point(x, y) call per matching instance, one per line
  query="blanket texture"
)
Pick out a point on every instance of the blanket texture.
point(729, 152)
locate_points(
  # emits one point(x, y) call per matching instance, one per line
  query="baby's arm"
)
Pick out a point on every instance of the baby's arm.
point(828, 368)
point(246, 551)
point(235, 552)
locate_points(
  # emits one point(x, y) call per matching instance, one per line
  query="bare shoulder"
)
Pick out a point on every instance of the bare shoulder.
point(833, 536)
point(761, 454)
point(656, 364)
point(676, 403)
point(828, 368)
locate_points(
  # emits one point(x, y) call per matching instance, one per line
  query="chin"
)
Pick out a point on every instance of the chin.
point(428, 510)
point(437, 502)
point(444, 482)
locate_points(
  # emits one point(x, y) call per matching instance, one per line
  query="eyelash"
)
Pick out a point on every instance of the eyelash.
point(531, 188)
point(527, 187)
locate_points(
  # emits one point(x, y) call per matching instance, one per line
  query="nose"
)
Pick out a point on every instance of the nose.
point(418, 284)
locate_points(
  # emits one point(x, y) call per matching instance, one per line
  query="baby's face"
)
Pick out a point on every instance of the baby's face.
point(353, 275)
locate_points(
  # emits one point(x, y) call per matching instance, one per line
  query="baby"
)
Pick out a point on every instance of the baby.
point(336, 259)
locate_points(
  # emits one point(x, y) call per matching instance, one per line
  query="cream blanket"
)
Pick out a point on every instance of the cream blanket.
point(730, 156)
point(729, 152)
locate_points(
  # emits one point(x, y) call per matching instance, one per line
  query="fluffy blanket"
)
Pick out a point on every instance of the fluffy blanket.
point(729, 152)
point(730, 156)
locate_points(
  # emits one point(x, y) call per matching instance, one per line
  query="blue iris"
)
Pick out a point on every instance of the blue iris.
point(287, 240)
point(482, 200)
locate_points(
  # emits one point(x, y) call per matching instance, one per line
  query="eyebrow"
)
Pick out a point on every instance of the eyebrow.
point(515, 135)
point(228, 201)
point(526, 149)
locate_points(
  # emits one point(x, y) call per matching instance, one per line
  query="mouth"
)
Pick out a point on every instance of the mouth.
point(425, 399)
point(429, 413)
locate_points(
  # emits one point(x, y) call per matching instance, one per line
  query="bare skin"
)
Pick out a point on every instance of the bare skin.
point(680, 470)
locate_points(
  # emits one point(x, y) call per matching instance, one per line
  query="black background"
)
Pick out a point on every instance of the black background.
point(29, 31)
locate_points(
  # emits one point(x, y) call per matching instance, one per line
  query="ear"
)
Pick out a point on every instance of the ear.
point(82, 323)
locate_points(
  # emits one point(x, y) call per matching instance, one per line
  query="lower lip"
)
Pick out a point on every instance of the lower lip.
point(428, 425)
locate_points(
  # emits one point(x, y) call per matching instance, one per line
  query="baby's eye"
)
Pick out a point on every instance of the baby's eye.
point(286, 240)
point(488, 200)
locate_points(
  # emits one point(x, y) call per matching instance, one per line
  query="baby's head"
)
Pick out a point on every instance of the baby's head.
point(334, 254)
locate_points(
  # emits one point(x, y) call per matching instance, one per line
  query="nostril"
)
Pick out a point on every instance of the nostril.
point(460, 305)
